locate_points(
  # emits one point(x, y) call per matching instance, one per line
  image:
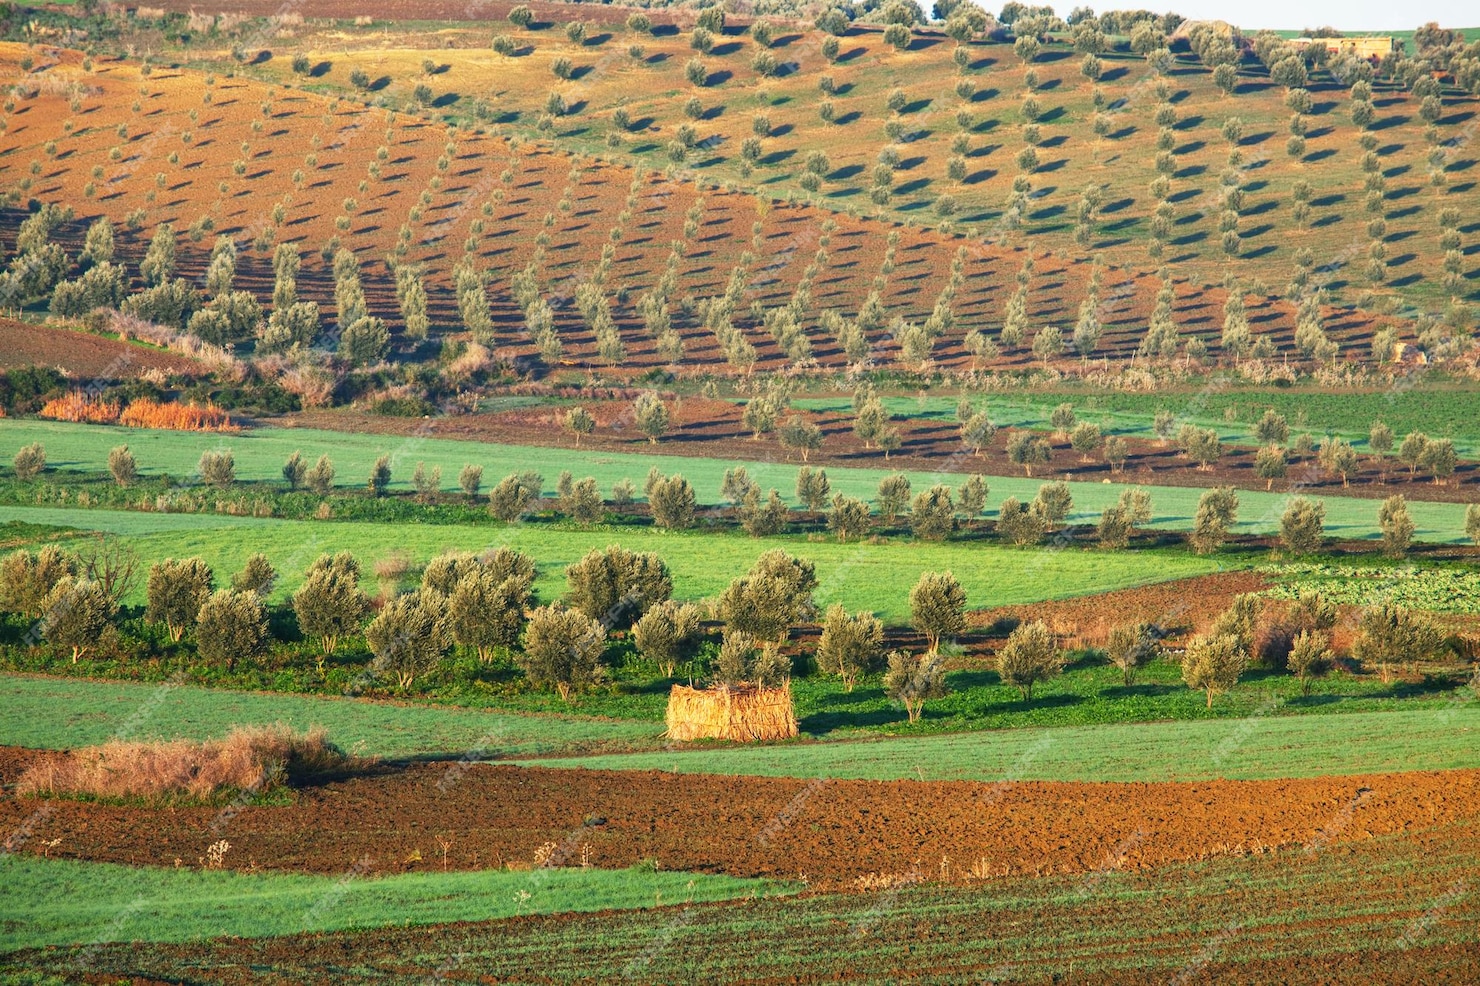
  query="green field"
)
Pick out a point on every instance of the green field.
point(60, 713)
point(260, 453)
point(59, 902)
point(875, 577)
point(1257, 736)
point(1254, 747)
point(1439, 413)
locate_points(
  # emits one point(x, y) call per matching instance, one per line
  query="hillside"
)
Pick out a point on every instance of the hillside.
point(268, 164)
point(912, 101)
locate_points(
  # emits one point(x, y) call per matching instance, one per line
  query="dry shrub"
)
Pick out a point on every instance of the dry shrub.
point(219, 360)
point(390, 570)
point(78, 407)
point(475, 359)
point(313, 387)
point(249, 758)
point(155, 376)
point(150, 13)
point(146, 413)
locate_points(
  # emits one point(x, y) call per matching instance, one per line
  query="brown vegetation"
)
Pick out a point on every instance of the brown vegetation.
point(249, 759)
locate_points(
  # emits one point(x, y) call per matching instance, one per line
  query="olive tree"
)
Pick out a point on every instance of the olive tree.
point(515, 495)
point(894, 493)
point(30, 461)
point(470, 480)
point(849, 518)
point(329, 604)
point(27, 579)
point(1030, 655)
point(217, 469)
point(1310, 657)
point(319, 478)
point(232, 626)
point(176, 591)
point(616, 586)
point(561, 648)
point(1387, 633)
point(933, 514)
point(813, 487)
point(743, 659)
point(75, 613)
point(122, 466)
point(257, 575)
point(294, 470)
point(672, 502)
point(1132, 646)
point(850, 645)
point(937, 607)
point(1028, 450)
point(913, 679)
point(1053, 502)
point(1217, 510)
point(651, 416)
point(408, 636)
point(485, 612)
point(766, 601)
point(1396, 525)
point(579, 422)
point(667, 634)
point(1212, 663)
point(1302, 526)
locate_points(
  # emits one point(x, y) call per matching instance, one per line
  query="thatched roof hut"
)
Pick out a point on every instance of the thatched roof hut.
point(730, 712)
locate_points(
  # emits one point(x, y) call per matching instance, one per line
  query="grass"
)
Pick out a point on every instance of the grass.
point(1392, 909)
point(1262, 730)
point(875, 577)
point(53, 713)
point(1439, 412)
point(1258, 746)
point(61, 902)
point(260, 453)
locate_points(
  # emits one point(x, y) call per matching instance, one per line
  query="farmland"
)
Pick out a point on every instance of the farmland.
point(716, 493)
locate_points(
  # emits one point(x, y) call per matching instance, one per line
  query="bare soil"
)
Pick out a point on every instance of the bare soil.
point(833, 832)
point(83, 356)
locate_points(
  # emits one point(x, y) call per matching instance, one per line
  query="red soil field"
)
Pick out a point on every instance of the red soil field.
point(345, 136)
point(82, 356)
point(836, 832)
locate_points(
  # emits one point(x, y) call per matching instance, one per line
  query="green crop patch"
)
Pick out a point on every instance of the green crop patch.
point(1430, 587)
point(874, 576)
point(62, 902)
point(1258, 745)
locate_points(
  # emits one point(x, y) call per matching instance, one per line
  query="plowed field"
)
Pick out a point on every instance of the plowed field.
point(833, 832)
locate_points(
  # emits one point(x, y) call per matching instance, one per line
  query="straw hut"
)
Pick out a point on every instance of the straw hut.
point(730, 712)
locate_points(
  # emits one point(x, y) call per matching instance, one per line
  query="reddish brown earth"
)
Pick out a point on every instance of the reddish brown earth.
point(1184, 605)
point(348, 134)
point(834, 832)
point(83, 356)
